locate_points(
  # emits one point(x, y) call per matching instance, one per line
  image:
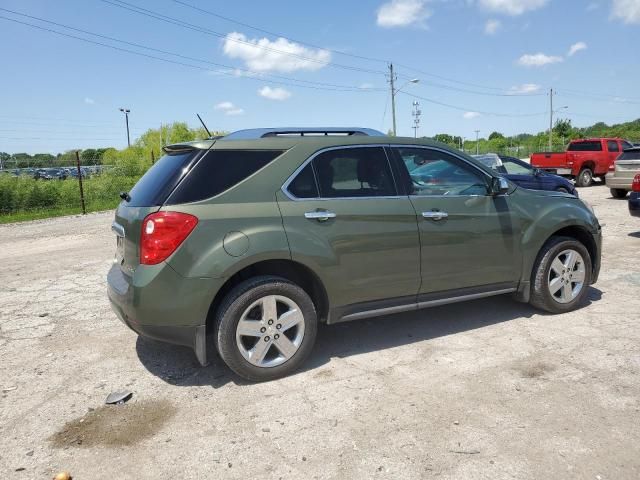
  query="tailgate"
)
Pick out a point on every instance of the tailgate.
point(549, 160)
point(147, 196)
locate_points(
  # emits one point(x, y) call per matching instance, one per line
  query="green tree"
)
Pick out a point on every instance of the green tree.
point(495, 135)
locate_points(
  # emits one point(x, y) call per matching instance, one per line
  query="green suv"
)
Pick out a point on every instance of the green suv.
point(252, 239)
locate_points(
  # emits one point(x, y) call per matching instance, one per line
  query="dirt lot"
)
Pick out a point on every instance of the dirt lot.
point(489, 389)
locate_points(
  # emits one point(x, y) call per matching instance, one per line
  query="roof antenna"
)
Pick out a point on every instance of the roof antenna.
point(205, 127)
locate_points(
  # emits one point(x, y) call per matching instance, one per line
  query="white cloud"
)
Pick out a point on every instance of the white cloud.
point(401, 13)
point(229, 108)
point(281, 55)
point(576, 47)
point(470, 115)
point(89, 101)
point(626, 10)
point(512, 7)
point(274, 93)
point(492, 26)
point(538, 60)
point(592, 6)
point(524, 89)
point(366, 86)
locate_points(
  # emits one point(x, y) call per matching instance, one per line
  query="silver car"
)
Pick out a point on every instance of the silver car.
point(626, 167)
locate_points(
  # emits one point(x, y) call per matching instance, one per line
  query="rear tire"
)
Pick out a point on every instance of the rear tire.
point(585, 178)
point(618, 193)
point(278, 329)
point(557, 284)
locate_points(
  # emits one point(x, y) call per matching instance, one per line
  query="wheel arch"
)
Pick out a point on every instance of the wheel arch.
point(291, 270)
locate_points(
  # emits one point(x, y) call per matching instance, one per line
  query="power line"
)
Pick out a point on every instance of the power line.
point(138, 45)
point(198, 28)
point(361, 57)
point(346, 89)
point(275, 34)
point(463, 109)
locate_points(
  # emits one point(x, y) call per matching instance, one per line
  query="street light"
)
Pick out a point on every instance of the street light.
point(126, 117)
point(394, 91)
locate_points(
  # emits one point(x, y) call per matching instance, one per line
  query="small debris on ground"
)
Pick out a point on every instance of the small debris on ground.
point(45, 314)
point(9, 389)
point(466, 452)
point(62, 476)
point(118, 398)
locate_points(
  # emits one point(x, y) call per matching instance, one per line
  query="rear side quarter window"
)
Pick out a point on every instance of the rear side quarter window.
point(219, 171)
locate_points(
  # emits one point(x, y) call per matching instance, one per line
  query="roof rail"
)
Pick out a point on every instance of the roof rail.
point(255, 133)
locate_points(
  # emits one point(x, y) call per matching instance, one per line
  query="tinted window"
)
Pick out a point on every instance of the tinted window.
point(155, 185)
point(612, 146)
point(626, 145)
point(304, 185)
point(218, 171)
point(630, 155)
point(585, 146)
point(354, 172)
point(440, 173)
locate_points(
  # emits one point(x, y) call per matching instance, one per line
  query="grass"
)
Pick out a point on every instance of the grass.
point(28, 215)
point(23, 199)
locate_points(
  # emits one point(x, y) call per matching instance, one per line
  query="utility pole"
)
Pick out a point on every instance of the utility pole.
point(416, 118)
point(392, 79)
point(477, 143)
point(126, 116)
point(551, 120)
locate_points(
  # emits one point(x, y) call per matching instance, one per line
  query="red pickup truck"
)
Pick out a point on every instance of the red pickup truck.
point(583, 160)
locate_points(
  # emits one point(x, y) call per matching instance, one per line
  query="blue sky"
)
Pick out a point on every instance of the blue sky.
point(491, 62)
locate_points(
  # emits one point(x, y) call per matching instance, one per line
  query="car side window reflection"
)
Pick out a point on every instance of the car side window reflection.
point(434, 173)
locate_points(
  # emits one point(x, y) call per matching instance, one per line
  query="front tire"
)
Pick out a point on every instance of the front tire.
point(265, 328)
point(618, 193)
point(585, 178)
point(561, 275)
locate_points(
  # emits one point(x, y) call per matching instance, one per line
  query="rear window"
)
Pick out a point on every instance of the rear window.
point(630, 155)
point(155, 185)
point(218, 171)
point(585, 147)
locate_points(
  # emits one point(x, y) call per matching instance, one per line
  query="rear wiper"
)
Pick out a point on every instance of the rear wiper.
point(125, 196)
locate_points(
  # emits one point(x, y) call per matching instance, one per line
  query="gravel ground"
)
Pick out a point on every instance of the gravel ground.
point(488, 389)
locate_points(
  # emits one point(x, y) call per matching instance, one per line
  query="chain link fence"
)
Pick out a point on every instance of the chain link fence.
point(86, 186)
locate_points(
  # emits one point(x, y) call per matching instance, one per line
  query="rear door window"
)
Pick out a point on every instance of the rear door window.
point(304, 185)
point(612, 146)
point(155, 185)
point(595, 146)
point(218, 171)
point(354, 172)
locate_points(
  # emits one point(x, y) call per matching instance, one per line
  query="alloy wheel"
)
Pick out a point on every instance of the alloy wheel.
point(270, 331)
point(566, 276)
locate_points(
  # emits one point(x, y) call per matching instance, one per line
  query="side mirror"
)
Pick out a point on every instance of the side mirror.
point(499, 186)
point(537, 172)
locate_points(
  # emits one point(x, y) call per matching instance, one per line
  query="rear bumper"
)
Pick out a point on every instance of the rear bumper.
point(623, 183)
point(634, 204)
point(158, 303)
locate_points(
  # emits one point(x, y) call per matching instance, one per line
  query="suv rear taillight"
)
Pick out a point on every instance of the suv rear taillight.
point(635, 186)
point(612, 167)
point(162, 233)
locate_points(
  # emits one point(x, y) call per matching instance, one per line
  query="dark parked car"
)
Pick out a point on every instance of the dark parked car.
point(634, 198)
point(523, 174)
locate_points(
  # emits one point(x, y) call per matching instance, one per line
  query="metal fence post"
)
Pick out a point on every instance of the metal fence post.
point(84, 210)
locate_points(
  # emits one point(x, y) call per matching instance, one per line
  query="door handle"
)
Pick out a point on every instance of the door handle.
point(435, 215)
point(320, 215)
